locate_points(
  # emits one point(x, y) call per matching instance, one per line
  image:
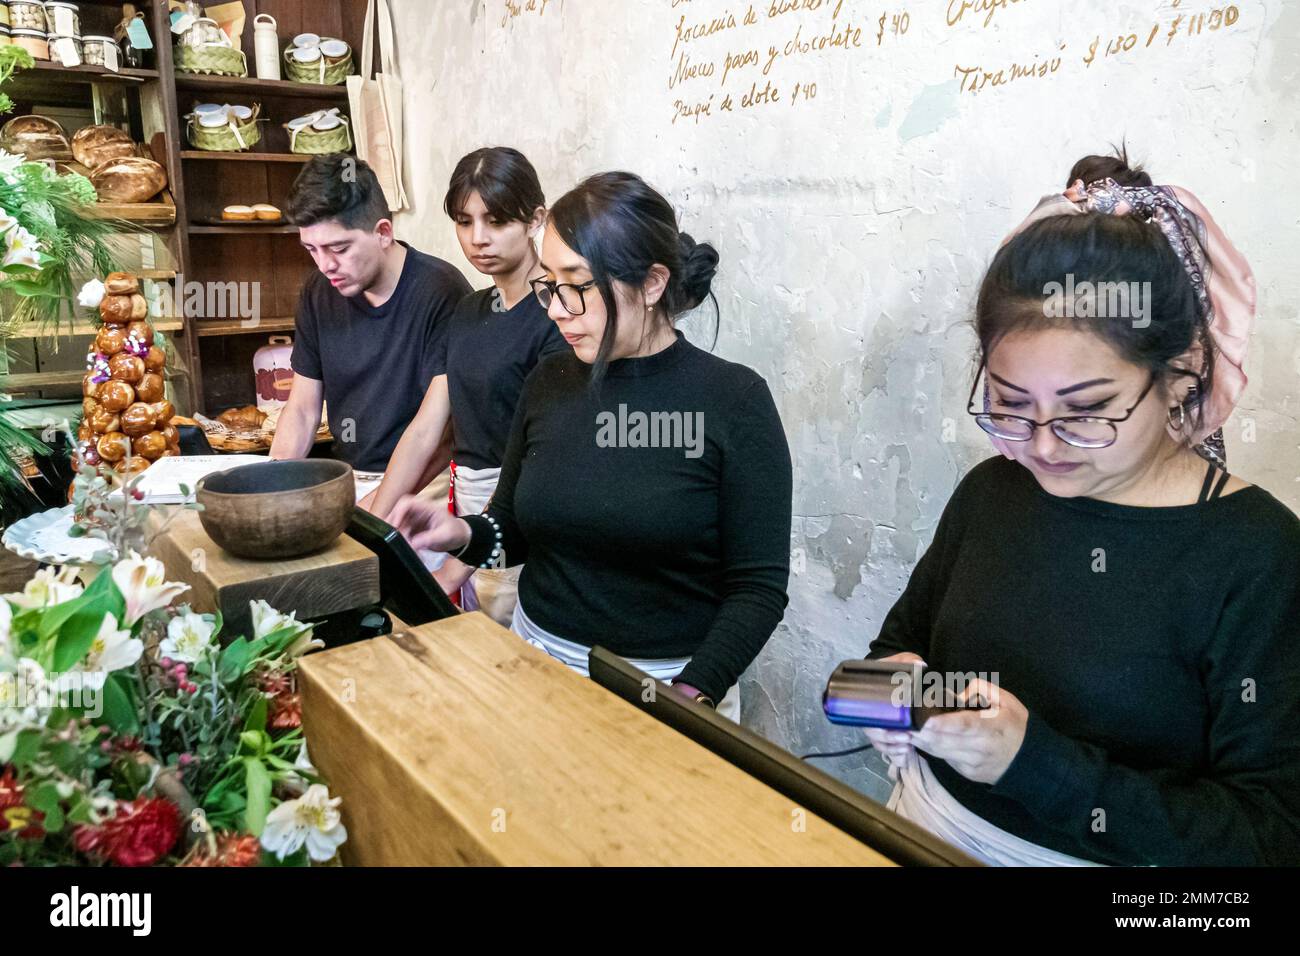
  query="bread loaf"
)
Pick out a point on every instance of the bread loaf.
point(249, 416)
point(128, 179)
point(94, 145)
point(36, 137)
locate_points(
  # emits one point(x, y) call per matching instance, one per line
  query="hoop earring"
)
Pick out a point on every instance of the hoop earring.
point(1179, 425)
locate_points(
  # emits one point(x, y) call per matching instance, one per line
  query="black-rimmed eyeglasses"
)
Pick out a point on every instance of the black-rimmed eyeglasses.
point(1081, 431)
point(572, 297)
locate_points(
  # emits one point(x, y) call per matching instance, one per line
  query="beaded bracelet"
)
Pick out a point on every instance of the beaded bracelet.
point(496, 543)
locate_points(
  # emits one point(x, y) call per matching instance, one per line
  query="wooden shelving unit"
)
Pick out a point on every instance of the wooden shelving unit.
point(216, 369)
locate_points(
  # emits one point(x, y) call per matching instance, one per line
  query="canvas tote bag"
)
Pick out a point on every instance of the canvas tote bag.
point(376, 103)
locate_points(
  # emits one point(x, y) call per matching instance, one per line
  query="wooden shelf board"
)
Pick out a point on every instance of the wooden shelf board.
point(255, 87)
point(205, 328)
point(217, 155)
point(85, 328)
point(85, 73)
point(158, 214)
point(30, 381)
point(251, 229)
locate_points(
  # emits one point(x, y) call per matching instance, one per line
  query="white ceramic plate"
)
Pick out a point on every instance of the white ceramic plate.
point(44, 537)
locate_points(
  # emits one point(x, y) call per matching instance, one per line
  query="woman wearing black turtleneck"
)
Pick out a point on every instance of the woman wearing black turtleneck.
point(646, 486)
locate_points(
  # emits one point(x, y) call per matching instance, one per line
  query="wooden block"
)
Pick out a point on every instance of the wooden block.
point(458, 743)
point(342, 577)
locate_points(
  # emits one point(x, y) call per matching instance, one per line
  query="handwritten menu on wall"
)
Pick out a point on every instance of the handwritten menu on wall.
point(728, 58)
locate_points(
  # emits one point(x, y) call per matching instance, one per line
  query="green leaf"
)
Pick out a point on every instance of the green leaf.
point(258, 783)
point(80, 810)
point(256, 716)
point(298, 858)
point(26, 748)
point(234, 660)
point(76, 637)
point(44, 797)
point(77, 631)
point(256, 742)
point(66, 755)
point(120, 711)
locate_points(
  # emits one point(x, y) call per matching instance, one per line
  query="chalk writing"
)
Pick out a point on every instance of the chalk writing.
point(732, 57)
point(519, 8)
point(959, 8)
point(1163, 33)
point(898, 25)
point(975, 79)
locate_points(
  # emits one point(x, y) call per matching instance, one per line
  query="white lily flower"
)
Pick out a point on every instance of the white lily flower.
point(143, 582)
point(312, 819)
point(295, 782)
point(91, 294)
point(188, 637)
point(48, 587)
point(20, 247)
point(24, 695)
point(113, 649)
point(267, 619)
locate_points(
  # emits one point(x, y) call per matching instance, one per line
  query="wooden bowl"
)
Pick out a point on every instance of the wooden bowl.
point(277, 509)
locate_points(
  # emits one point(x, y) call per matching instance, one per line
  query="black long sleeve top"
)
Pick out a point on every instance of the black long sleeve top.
point(1156, 649)
point(652, 513)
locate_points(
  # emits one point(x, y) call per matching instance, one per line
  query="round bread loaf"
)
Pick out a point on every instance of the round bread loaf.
point(94, 145)
point(36, 137)
point(128, 179)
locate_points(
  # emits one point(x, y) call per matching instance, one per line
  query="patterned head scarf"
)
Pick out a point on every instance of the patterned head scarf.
point(1220, 276)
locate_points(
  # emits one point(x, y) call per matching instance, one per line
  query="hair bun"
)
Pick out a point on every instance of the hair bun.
point(699, 266)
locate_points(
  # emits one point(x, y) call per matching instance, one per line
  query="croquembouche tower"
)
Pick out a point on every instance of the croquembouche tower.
point(126, 423)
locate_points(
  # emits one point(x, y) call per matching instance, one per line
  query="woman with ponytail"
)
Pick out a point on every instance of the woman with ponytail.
point(494, 339)
point(646, 486)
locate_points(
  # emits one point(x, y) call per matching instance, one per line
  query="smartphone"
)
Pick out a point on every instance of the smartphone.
point(891, 695)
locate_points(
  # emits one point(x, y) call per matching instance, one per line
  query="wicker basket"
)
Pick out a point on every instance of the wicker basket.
point(316, 142)
point(234, 137)
point(327, 74)
point(215, 60)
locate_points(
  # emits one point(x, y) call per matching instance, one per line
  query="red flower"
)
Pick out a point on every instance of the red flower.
point(140, 833)
point(285, 712)
point(14, 813)
point(233, 849)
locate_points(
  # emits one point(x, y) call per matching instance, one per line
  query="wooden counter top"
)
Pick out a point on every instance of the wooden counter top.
point(342, 577)
point(458, 743)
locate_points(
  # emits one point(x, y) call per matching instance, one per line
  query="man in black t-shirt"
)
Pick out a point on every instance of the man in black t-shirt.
point(369, 324)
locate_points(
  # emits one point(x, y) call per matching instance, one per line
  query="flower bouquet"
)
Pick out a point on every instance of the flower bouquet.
point(130, 736)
